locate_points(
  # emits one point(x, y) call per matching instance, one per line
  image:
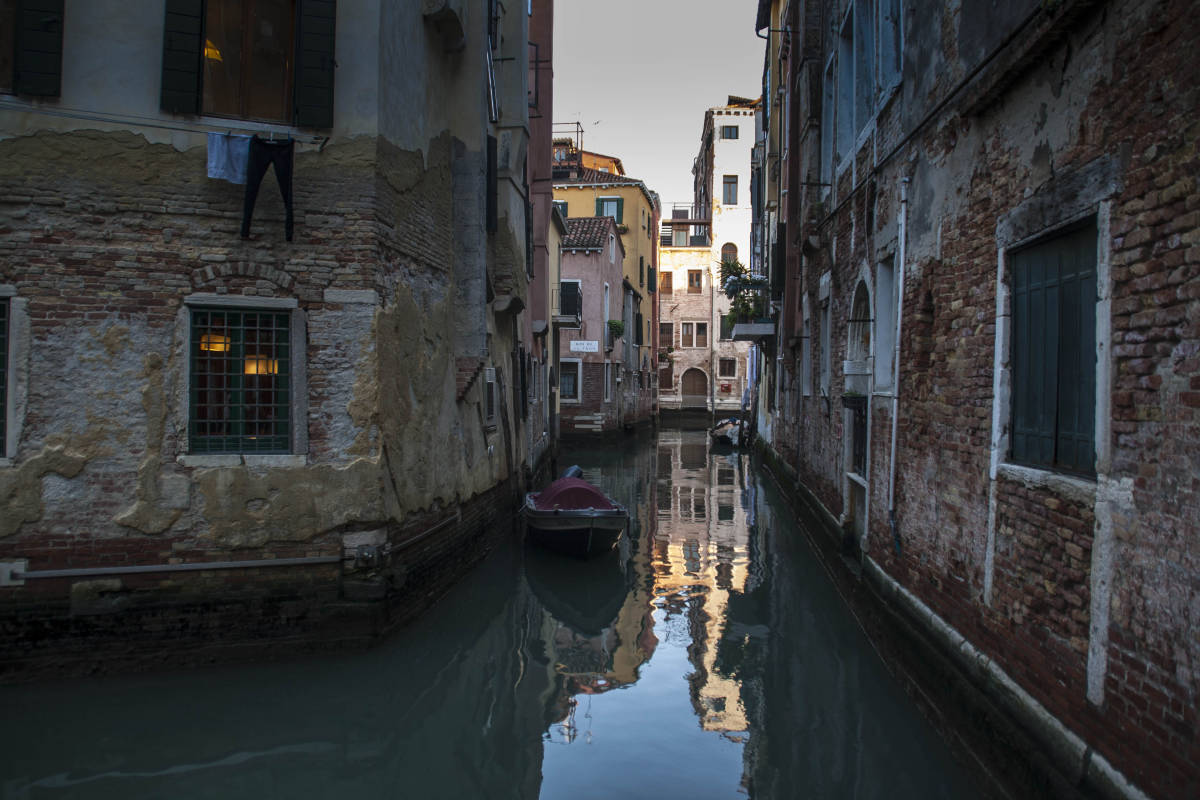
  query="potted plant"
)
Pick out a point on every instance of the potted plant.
point(616, 328)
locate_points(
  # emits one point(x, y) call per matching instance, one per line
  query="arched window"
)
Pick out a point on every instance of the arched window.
point(858, 348)
point(729, 252)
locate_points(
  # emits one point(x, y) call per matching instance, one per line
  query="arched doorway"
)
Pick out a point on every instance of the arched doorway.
point(693, 387)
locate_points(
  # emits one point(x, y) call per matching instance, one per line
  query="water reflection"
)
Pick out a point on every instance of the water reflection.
point(707, 657)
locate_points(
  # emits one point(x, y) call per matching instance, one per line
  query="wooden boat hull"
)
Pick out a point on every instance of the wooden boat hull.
point(579, 532)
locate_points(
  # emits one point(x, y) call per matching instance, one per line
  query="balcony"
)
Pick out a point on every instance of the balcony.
point(750, 310)
point(567, 305)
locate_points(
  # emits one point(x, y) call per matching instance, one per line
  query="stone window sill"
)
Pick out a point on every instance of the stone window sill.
point(215, 460)
point(1071, 486)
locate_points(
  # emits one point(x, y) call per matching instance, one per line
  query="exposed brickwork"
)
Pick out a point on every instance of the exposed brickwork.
point(1011, 562)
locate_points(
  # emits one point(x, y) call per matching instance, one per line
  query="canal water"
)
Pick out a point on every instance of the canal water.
point(709, 657)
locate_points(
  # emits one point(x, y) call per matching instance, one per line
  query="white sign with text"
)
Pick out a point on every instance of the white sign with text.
point(585, 346)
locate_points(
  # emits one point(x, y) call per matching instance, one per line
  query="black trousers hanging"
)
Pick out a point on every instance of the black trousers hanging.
point(263, 154)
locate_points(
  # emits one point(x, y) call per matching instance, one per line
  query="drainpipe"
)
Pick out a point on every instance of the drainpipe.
point(903, 225)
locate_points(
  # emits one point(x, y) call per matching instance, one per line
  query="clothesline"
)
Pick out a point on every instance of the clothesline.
point(151, 122)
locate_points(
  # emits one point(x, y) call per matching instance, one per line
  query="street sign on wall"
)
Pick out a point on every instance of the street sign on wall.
point(585, 346)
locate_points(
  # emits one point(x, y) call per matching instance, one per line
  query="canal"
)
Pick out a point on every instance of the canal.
point(710, 657)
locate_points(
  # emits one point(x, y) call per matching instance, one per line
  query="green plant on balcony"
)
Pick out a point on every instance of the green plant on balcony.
point(616, 328)
point(746, 292)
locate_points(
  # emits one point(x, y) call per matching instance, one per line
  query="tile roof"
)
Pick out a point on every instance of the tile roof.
point(590, 175)
point(586, 232)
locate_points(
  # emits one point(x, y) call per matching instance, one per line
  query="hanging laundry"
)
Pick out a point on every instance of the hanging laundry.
point(263, 154)
point(227, 154)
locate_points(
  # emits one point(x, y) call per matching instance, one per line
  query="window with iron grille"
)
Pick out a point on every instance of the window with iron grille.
point(240, 388)
point(1054, 352)
point(3, 375)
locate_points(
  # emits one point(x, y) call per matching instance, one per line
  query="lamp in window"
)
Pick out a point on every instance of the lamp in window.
point(214, 342)
point(261, 365)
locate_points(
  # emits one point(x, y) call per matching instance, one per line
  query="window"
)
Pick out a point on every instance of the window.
point(885, 322)
point(695, 281)
point(569, 383)
point(727, 368)
point(693, 334)
point(238, 58)
point(4, 316)
point(489, 397)
point(890, 45)
point(641, 270)
point(1054, 352)
point(666, 334)
point(844, 123)
point(561, 205)
point(570, 302)
point(727, 323)
point(729, 131)
point(608, 381)
point(855, 76)
point(806, 351)
point(665, 280)
point(827, 110)
point(240, 390)
point(679, 236)
point(31, 49)
point(826, 355)
point(610, 207)
point(729, 190)
point(666, 376)
point(729, 252)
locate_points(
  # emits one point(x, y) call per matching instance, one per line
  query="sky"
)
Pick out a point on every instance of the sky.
point(639, 75)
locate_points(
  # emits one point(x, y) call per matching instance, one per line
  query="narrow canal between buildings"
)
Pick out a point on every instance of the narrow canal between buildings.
point(709, 658)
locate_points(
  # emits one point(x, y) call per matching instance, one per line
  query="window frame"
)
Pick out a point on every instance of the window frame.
point(725, 130)
point(666, 282)
point(575, 365)
point(603, 200)
point(1075, 363)
point(697, 286)
point(297, 450)
point(729, 190)
point(721, 362)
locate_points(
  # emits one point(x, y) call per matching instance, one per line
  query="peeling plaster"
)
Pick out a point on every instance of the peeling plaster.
point(21, 487)
point(147, 515)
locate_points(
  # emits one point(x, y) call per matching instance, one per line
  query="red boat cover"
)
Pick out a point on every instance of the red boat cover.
point(571, 494)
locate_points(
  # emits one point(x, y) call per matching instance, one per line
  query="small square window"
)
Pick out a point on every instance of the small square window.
point(240, 389)
point(727, 368)
point(729, 131)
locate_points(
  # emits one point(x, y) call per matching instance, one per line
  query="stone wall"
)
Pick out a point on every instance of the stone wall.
point(1080, 588)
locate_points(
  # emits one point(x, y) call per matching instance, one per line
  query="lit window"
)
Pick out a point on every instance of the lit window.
point(247, 58)
point(695, 281)
point(240, 397)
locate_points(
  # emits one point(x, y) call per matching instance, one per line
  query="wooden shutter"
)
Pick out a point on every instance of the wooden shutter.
point(37, 63)
point(1034, 354)
point(1075, 447)
point(650, 285)
point(620, 210)
point(316, 25)
point(599, 207)
point(183, 39)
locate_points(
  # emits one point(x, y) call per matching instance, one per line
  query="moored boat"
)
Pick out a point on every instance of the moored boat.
point(572, 516)
point(727, 431)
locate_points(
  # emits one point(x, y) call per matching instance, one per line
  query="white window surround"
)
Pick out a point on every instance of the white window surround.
point(299, 383)
point(575, 364)
point(16, 398)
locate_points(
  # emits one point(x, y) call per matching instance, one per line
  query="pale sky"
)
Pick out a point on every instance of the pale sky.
point(639, 75)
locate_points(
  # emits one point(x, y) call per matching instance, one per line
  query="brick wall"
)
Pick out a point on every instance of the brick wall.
point(1102, 635)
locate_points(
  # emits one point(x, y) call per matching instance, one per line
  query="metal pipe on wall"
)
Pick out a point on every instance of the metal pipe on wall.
point(900, 248)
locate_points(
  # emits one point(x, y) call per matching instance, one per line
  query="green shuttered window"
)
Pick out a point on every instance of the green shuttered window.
point(611, 207)
point(37, 48)
point(1054, 352)
point(250, 59)
point(240, 378)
